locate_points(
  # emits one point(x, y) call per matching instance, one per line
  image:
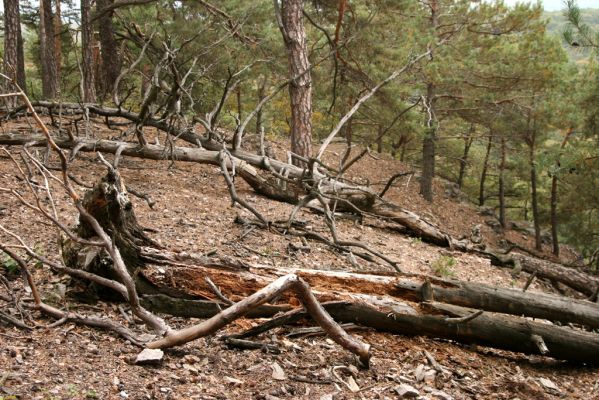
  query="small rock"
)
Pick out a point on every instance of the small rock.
point(277, 372)
point(149, 356)
point(548, 384)
point(419, 373)
point(123, 394)
point(352, 384)
point(438, 394)
point(92, 348)
point(429, 376)
point(233, 381)
point(405, 391)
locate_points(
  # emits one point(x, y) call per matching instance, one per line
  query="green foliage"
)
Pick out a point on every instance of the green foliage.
point(9, 265)
point(444, 266)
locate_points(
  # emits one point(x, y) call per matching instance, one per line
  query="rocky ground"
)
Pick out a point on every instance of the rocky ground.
point(192, 213)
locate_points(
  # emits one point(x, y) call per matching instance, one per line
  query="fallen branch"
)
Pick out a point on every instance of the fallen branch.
point(301, 289)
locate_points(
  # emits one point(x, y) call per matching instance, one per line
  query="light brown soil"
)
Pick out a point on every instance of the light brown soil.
point(193, 214)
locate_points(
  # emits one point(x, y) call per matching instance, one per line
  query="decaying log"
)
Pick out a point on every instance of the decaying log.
point(506, 301)
point(570, 277)
point(487, 329)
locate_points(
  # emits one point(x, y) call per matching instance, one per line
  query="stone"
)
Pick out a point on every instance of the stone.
point(405, 391)
point(149, 356)
point(548, 384)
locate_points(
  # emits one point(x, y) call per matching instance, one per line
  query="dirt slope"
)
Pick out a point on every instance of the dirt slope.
point(193, 214)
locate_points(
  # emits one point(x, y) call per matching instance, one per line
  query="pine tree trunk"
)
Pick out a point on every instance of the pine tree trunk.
point(428, 165)
point(554, 222)
point(57, 41)
point(428, 144)
point(14, 65)
point(300, 89)
point(89, 82)
point(483, 175)
point(379, 141)
point(428, 147)
point(533, 190)
point(47, 51)
point(502, 219)
point(111, 58)
point(464, 160)
point(261, 95)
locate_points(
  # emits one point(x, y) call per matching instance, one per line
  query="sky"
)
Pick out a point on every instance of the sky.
point(556, 5)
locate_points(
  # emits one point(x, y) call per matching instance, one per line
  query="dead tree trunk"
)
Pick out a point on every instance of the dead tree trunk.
point(109, 204)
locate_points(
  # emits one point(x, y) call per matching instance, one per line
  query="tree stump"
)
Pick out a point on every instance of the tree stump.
point(108, 202)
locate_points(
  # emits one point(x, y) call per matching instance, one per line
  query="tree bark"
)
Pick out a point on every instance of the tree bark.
point(261, 95)
point(483, 174)
point(428, 148)
point(534, 200)
point(300, 89)
point(379, 141)
point(47, 51)
point(468, 139)
point(428, 144)
point(500, 300)
point(111, 58)
point(502, 218)
point(14, 61)
point(87, 42)
point(57, 40)
point(554, 197)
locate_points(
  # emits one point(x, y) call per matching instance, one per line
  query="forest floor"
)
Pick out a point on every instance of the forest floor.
point(192, 213)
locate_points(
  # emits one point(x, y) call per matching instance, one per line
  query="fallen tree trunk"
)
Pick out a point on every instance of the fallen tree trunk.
point(190, 279)
point(570, 277)
point(356, 199)
point(500, 300)
point(487, 329)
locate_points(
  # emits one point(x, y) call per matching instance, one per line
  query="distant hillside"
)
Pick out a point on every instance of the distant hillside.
point(557, 24)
